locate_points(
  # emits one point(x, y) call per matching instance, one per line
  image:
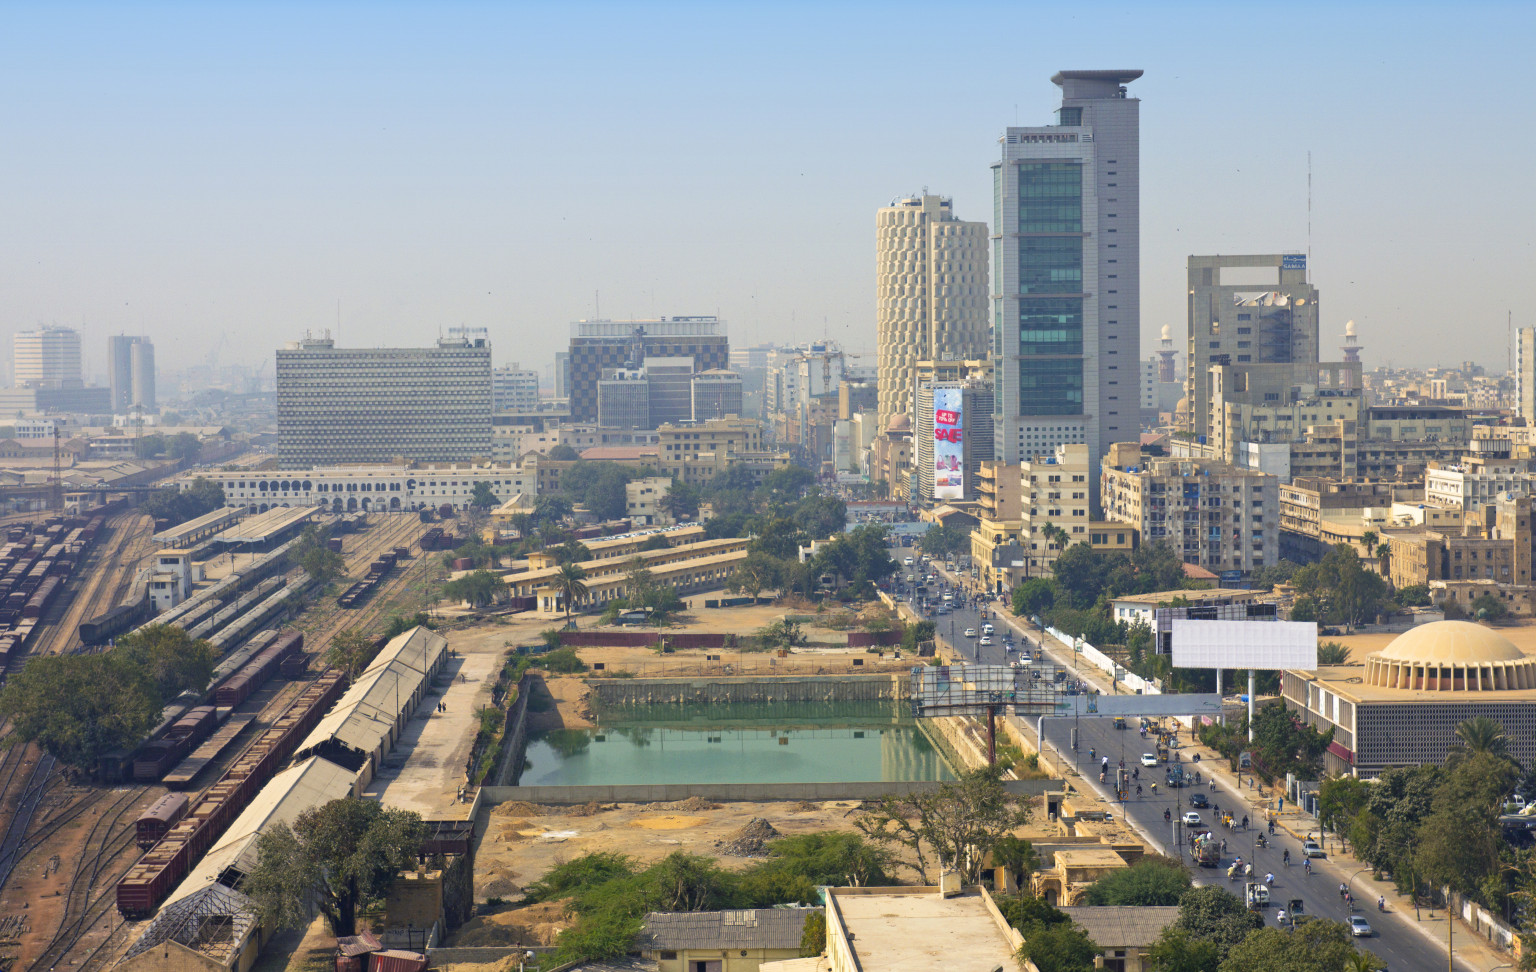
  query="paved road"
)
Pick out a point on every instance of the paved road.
point(1397, 941)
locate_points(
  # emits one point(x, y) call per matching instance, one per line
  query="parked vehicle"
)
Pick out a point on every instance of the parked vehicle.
point(1311, 848)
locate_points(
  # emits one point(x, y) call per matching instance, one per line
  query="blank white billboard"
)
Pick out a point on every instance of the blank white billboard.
point(1245, 644)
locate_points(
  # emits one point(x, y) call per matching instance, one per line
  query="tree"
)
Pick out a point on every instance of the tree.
point(568, 584)
point(656, 541)
point(483, 496)
point(1051, 941)
point(942, 542)
point(350, 651)
point(1317, 946)
point(1213, 915)
point(1489, 607)
point(183, 446)
point(682, 500)
point(1480, 735)
point(478, 589)
point(572, 552)
point(785, 483)
point(78, 707)
point(148, 446)
point(1340, 800)
point(1017, 855)
point(1153, 880)
point(1332, 653)
point(1414, 595)
point(1178, 950)
point(345, 854)
point(782, 633)
point(173, 660)
point(551, 508)
point(562, 453)
point(754, 574)
point(1304, 608)
point(310, 552)
point(957, 824)
point(1034, 597)
point(178, 506)
point(813, 939)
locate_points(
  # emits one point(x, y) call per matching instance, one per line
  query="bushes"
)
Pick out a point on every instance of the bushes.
point(562, 661)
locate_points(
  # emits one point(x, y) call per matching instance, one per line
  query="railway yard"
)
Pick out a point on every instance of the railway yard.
point(67, 840)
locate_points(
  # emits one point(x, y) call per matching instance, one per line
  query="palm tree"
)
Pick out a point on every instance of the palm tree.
point(1361, 962)
point(1482, 735)
point(569, 583)
point(1368, 540)
point(1384, 557)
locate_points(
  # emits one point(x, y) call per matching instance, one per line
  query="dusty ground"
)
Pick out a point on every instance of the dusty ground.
point(1522, 633)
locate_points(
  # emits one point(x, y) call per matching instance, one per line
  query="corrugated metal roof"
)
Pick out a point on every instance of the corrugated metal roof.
point(1123, 926)
point(753, 928)
point(309, 784)
point(364, 715)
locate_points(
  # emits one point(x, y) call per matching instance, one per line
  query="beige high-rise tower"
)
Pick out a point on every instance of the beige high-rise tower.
point(931, 293)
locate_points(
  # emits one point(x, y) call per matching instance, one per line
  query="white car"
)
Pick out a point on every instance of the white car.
point(907, 562)
point(1311, 848)
point(1192, 819)
point(970, 632)
point(1147, 759)
point(985, 640)
point(988, 629)
point(1359, 927)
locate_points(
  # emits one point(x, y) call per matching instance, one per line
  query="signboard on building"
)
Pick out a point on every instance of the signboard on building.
point(948, 444)
point(1293, 261)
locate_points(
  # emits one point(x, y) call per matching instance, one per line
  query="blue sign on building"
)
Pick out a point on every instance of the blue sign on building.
point(1293, 261)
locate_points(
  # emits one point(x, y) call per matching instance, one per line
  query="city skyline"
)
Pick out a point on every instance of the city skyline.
point(400, 174)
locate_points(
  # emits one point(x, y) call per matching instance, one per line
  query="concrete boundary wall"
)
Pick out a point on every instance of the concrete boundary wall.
point(730, 792)
point(772, 688)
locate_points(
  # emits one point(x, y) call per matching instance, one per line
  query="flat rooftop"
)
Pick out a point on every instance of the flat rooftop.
point(915, 929)
point(427, 766)
point(1348, 681)
point(1216, 595)
point(200, 527)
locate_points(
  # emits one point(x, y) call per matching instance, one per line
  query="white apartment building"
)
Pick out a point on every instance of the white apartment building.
point(1225, 518)
point(383, 488)
point(931, 292)
point(514, 389)
point(1476, 481)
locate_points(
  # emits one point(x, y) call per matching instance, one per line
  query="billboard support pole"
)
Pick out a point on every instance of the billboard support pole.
point(1220, 718)
point(991, 736)
point(1251, 679)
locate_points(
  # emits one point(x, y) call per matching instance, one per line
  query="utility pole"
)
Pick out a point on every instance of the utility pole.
point(56, 489)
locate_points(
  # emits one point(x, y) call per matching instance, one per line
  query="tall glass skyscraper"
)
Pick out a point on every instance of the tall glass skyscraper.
point(1066, 267)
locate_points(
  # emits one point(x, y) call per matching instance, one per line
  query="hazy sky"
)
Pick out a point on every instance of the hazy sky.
point(223, 171)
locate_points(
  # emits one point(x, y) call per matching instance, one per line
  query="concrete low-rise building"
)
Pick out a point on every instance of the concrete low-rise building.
point(643, 501)
point(381, 488)
point(1401, 706)
point(1140, 607)
point(721, 941)
point(918, 929)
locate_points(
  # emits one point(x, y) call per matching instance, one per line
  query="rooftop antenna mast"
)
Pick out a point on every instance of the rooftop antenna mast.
point(1309, 213)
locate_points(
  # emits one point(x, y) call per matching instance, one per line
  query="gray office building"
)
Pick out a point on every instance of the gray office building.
point(1066, 267)
point(131, 372)
point(376, 405)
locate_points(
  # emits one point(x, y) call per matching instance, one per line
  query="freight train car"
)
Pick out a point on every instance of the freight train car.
point(148, 882)
point(159, 819)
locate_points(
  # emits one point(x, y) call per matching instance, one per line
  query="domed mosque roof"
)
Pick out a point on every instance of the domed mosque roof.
point(1454, 656)
point(1451, 643)
point(900, 422)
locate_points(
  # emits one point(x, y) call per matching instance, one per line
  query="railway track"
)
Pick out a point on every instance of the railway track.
point(84, 908)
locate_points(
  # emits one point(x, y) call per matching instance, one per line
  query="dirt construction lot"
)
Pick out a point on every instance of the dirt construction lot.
point(523, 841)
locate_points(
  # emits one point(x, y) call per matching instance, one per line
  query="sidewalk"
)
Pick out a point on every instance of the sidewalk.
point(1472, 950)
